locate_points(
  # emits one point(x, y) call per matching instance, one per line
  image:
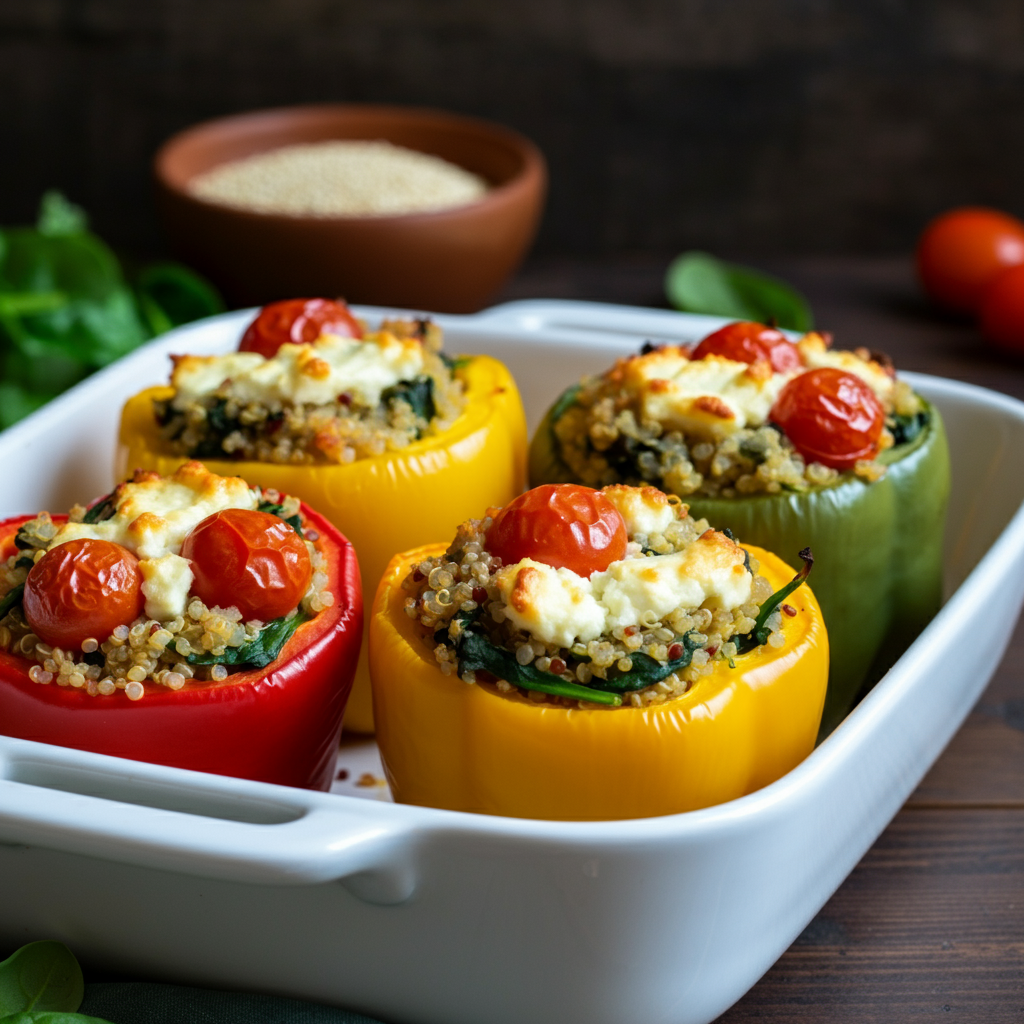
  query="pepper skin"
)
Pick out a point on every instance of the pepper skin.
point(877, 550)
point(445, 743)
point(277, 724)
point(386, 503)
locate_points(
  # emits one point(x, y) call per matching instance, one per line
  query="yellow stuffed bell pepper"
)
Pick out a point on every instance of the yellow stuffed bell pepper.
point(384, 503)
point(474, 747)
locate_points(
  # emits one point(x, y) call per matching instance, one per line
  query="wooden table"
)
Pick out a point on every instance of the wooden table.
point(930, 925)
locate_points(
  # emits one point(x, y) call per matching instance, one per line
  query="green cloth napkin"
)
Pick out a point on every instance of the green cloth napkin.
point(143, 1002)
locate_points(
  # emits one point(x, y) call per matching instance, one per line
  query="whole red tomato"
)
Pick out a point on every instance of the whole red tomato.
point(565, 525)
point(298, 321)
point(1002, 310)
point(252, 560)
point(80, 589)
point(746, 341)
point(960, 252)
point(831, 416)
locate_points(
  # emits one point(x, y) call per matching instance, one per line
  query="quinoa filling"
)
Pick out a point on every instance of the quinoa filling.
point(601, 433)
point(202, 645)
point(221, 423)
point(457, 600)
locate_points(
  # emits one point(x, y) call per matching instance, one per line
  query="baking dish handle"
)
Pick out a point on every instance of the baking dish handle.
point(567, 318)
point(203, 825)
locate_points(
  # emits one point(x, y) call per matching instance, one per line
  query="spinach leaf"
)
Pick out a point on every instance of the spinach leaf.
point(50, 1017)
point(11, 598)
point(477, 652)
point(565, 402)
point(212, 445)
point(760, 633)
point(455, 362)
point(699, 283)
point(417, 393)
point(647, 671)
point(278, 510)
point(259, 652)
point(906, 428)
point(41, 977)
point(169, 295)
point(103, 509)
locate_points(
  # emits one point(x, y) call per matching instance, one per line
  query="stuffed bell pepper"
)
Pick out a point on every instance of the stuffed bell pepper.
point(590, 655)
point(381, 432)
point(189, 621)
point(786, 444)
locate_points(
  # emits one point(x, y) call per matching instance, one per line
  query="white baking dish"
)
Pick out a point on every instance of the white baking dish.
point(430, 916)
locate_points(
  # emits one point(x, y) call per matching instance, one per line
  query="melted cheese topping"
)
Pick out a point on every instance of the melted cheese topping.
point(714, 397)
point(645, 510)
point(313, 374)
point(705, 398)
point(152, 518)
point(817, 354)
point(559, 607)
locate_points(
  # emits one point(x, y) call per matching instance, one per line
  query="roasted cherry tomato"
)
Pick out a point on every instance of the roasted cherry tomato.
point(252, 560)
point(960, 252)
point(298, 321)
point(1002, 310)
point(746, 342)
point(565, 525)
point(831, 416)
point(80, 589)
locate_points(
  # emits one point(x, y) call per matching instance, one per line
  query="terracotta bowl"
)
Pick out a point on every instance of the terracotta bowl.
point(449, 261)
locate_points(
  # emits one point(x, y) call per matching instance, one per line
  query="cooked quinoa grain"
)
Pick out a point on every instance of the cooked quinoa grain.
point(464, 585)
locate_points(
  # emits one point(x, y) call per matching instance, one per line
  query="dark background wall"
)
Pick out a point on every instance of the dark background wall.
point(744, 126)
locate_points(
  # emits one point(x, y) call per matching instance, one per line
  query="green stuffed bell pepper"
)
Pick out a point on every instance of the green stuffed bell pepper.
point(789, 445)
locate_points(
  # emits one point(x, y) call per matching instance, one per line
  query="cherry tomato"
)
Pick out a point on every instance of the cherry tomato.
point(565, 525)
point(961, 251)
point(252, 560)
point(831, 416)
point(1002, 310)
point(746, 342)
point(297, 321)
point(80, 589)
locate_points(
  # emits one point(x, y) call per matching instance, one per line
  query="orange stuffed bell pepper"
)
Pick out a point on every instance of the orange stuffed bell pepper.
point(185, 622)
point(390, 440)
point(590, 655)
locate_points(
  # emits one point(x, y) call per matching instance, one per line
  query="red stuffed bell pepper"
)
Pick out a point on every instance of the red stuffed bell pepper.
point(188, 621)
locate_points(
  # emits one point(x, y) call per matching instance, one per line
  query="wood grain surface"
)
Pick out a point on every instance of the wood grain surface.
point(930, 925)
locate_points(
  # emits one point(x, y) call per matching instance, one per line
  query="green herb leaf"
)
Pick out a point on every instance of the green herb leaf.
point(58, 217)
point(760, 633)
point(647, 671)
point(103, 509)
point(11, 598)
point(42, 976)
point(477, 652)
point(698, 282)
point(417, 393)
point(907, 428)
point(295, 522)
point(50, 1017)
point(170, 294)
point(566, 400)
point(259, 652)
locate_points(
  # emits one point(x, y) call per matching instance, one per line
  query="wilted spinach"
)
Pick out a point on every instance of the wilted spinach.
point(257, 653)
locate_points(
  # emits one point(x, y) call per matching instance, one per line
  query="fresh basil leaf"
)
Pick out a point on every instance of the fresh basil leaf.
point(417, 393)
point(59, 217)
point(259, 652)
point(295, 522)
point(51, 1017)
point(477, 652)
point(42, 976)
point(170, 294)
point(760, 633)
point(698, 282)
point(647, 671)
point(11, 598)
